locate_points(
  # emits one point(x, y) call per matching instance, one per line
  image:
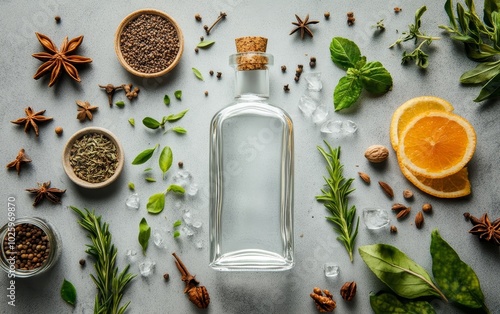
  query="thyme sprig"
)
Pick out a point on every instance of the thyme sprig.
point(110, 284)
point(334, 198)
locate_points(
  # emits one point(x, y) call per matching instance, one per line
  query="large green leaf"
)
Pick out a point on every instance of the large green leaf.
point(346, 92)
point(456, 279)
point(482, 73)
point(144, 234)
point(490, 89)
point(144, 156)
point(165, 160)
point(384, 303)
point(400, 273)
point(68, 292)
point(375, 78)
point(156, 203)
point(344, 52)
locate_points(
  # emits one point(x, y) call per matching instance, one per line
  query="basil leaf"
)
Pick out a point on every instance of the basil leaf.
point(344, 53)
point(375, 78)
point(400, 273)
point(176, 188)
point(346, 92)
point(166, 100)
point(198, 74)
point(156, 203)
point(166, 158)
point(175, 117)
point(482, 73)
point(144, 234)
point(68, 292)
point(383, 303)
point(457, 279)
point(151, 123)
point(178, 94)
point(144, 156)
point(176, 233)
point(177, 223)
point(120, 103)
point(490, 90)
point(205, 43)
point(131, 121)
point(179, 130)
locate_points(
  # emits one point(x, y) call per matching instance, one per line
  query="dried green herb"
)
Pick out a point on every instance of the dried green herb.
point(177, 116)
point(131, 186)
point(166, 100)
point(205, 43)
point(178, 94)
point(383, 303)
point(166, 159)
point(150, 179)
point(154, 124)
point(131, 121)
point(177, 234)
point(120, 103)
point(179, 130)
point(177, 223)
point(148, 169)
point(144, 155)
point(335, 199)
point(156, 202)
point(68, 292)
point(110, 283)
point(198, 74)
point(144, 234)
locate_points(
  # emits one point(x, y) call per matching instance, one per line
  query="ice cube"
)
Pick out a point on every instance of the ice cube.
point(307, 105)
point(147, 267)
point(188, 219)
point(177, 204)
point(331, 126)
point(319, 115)
point(313, 80)
point(199, 244)
point(133, 201)
point(187, 231)
point(197, 224)
point(375, 218)
point(131, 256)
point(183, 178)
point(331, 270)
point(349, 127)
point(192, 189)
point(158, 239)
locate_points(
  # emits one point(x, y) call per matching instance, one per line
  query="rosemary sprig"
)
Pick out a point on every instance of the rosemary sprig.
point(334, 198)
point(110, 284)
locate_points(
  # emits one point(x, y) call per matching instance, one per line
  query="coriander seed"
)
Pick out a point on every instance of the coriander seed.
point(283, 68)
point(427, 208)
point(166, 276)
point(58, 130)
point(197, 17)
point(206, 93)
point(211, 72)
point(327, 15)
point(196, 50)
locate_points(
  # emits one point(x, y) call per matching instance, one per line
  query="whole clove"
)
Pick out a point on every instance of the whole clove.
point(110, 90)
point(198, 295)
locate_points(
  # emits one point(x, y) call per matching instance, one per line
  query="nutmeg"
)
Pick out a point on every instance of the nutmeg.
point(377, 153)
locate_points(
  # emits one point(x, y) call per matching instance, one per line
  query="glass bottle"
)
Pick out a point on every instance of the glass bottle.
point(251, 172)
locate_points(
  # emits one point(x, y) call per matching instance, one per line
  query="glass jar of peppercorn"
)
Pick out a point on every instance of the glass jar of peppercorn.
point(29, 246)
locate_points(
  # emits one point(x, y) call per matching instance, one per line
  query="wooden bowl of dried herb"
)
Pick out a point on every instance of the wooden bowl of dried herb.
point(93, 158)
point(149, 43)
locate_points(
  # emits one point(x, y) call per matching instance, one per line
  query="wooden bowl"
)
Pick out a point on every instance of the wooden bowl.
point(69, 169)
point(131, 17)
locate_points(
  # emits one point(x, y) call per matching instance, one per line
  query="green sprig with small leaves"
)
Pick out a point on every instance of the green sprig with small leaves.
point(335, 199)
point(110, 283)
point(418, 54)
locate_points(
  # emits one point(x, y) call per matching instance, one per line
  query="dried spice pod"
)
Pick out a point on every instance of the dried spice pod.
point(324, 303)
point(196, 294)
point(32, 118)
point(483, 227)
point(419, 220)
point(21, 159)
point(427, 208)
point(45, 191)
point(386, 188)
point(348, 290)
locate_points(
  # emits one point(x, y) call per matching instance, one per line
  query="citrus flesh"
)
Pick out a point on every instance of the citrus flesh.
point(436, 144)
point(411, 108)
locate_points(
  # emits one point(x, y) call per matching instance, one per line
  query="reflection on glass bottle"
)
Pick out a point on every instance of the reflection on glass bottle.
point(251, 172)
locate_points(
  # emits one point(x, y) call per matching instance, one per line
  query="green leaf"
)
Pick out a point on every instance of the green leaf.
point(166, 100)
point(120, 103)
point(68, 292)
point(179, 130)
point(198, 74)
point(418, 16)
point(176, 188)
point(156, 203)
point(148, 169)
point(178, 94)
point(490, 90)
point(375, 78)
point(346, 92)
point(131, 121)
point(482, 73)
point(457, 279)
point(344, 52)
point(205, 43)
point(177, 234)
point(383, 303)
point(144, 234)
point(490, 6)
point(144, 156)
point(166, 158)
point(400, 273)
point(151, 123)
point(177, 223)
point(131, 186)
point(175, 117)
point(150, 179)
point(448, 7)
point(495, 17)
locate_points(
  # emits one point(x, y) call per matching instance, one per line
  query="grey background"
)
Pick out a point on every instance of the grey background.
point(315, 241)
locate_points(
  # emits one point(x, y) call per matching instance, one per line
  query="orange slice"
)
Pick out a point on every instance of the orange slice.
point(411, 108)
point(436, 144)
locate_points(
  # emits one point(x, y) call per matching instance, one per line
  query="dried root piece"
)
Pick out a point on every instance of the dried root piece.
point(129, 92)
point(324, 303)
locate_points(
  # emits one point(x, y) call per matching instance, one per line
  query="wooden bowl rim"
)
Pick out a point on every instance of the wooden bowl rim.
point(134, 15)
point(69, 169)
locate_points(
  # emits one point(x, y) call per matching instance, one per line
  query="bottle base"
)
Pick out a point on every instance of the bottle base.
point(251, 260)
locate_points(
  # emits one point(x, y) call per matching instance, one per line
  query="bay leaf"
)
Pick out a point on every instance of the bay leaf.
point(383, 303)
point(68, 292)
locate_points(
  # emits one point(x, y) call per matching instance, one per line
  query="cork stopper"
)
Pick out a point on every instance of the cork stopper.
point(251, 53)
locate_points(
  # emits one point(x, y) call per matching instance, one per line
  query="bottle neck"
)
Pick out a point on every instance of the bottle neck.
point(252, 83)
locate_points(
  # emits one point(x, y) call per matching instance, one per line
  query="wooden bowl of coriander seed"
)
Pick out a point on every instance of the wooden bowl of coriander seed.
point(149, 43)
point(93, 158)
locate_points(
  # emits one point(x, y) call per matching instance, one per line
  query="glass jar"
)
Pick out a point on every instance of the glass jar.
point(11, 263)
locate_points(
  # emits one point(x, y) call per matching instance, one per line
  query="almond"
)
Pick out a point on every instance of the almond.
point(364, 177)
point(377, 153)
point(403, 213)
point(386, 188)
point(419, 220)
point(398, 206)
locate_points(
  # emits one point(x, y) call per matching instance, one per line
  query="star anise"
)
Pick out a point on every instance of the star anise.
point(57, 60)
point(84, 110)
point(45, 191)
point(302, 26)
point(20, 159)
point(484, 228)
point(31, 119)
